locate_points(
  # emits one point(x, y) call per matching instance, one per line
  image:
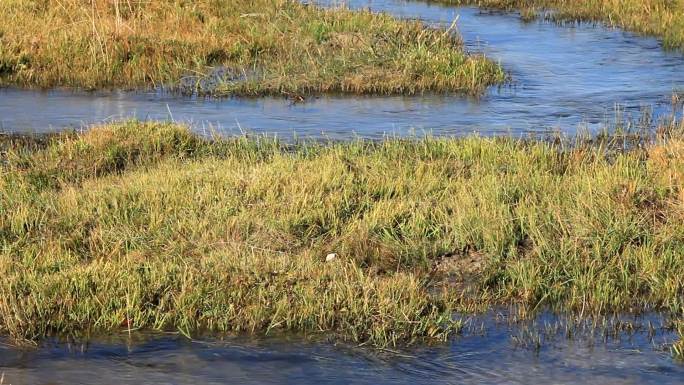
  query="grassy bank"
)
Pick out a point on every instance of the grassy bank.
point(143, 225)
point(661, 18)
point(236, 47)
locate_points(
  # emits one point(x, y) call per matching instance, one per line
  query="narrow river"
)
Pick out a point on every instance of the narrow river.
point(504, 354)
point(564, 78)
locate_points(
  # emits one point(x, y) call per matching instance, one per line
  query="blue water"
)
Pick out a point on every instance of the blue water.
point(503, 354)
point(564, 78)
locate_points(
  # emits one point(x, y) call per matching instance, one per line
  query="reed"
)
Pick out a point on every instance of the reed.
point(678, 347)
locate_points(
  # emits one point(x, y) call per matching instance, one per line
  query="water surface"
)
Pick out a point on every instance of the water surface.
point(564, 77)
point(504, 354)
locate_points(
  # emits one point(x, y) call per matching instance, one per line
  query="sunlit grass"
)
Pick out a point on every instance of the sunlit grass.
point(230, 47)
point(145, 225)
point(678, 347)
point(662, 18)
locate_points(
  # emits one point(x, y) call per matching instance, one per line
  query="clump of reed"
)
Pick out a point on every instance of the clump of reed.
point(145, 225)
point(236, 47)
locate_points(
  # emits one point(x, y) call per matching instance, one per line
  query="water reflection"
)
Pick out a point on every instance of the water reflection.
point(503, 354)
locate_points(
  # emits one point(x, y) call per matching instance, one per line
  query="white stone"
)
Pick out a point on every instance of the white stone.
point(330, 257)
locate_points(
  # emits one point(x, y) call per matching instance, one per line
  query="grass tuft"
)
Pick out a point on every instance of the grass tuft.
point(677, 348)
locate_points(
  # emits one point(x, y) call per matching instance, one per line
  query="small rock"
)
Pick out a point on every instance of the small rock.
point(330, 257)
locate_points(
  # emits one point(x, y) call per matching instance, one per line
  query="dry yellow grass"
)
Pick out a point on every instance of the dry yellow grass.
point(662, 18)
point(229, 47)
point(145, 225)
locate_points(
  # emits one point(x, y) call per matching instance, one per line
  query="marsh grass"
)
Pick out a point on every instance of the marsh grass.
point(678, 347)
point(236, 47)
point(145, 225)
point(661, 18)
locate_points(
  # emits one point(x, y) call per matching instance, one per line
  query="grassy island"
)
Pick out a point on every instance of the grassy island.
point(230, 47)
point(146, 225)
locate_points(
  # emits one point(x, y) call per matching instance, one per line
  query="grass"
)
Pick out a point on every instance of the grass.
point(145, 225)
point(678, 347)
point(661, 18)
point(230, 47)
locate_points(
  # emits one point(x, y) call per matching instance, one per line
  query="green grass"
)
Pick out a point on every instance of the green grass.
point(230, 47)
point(661, 18)
point(144, 225)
